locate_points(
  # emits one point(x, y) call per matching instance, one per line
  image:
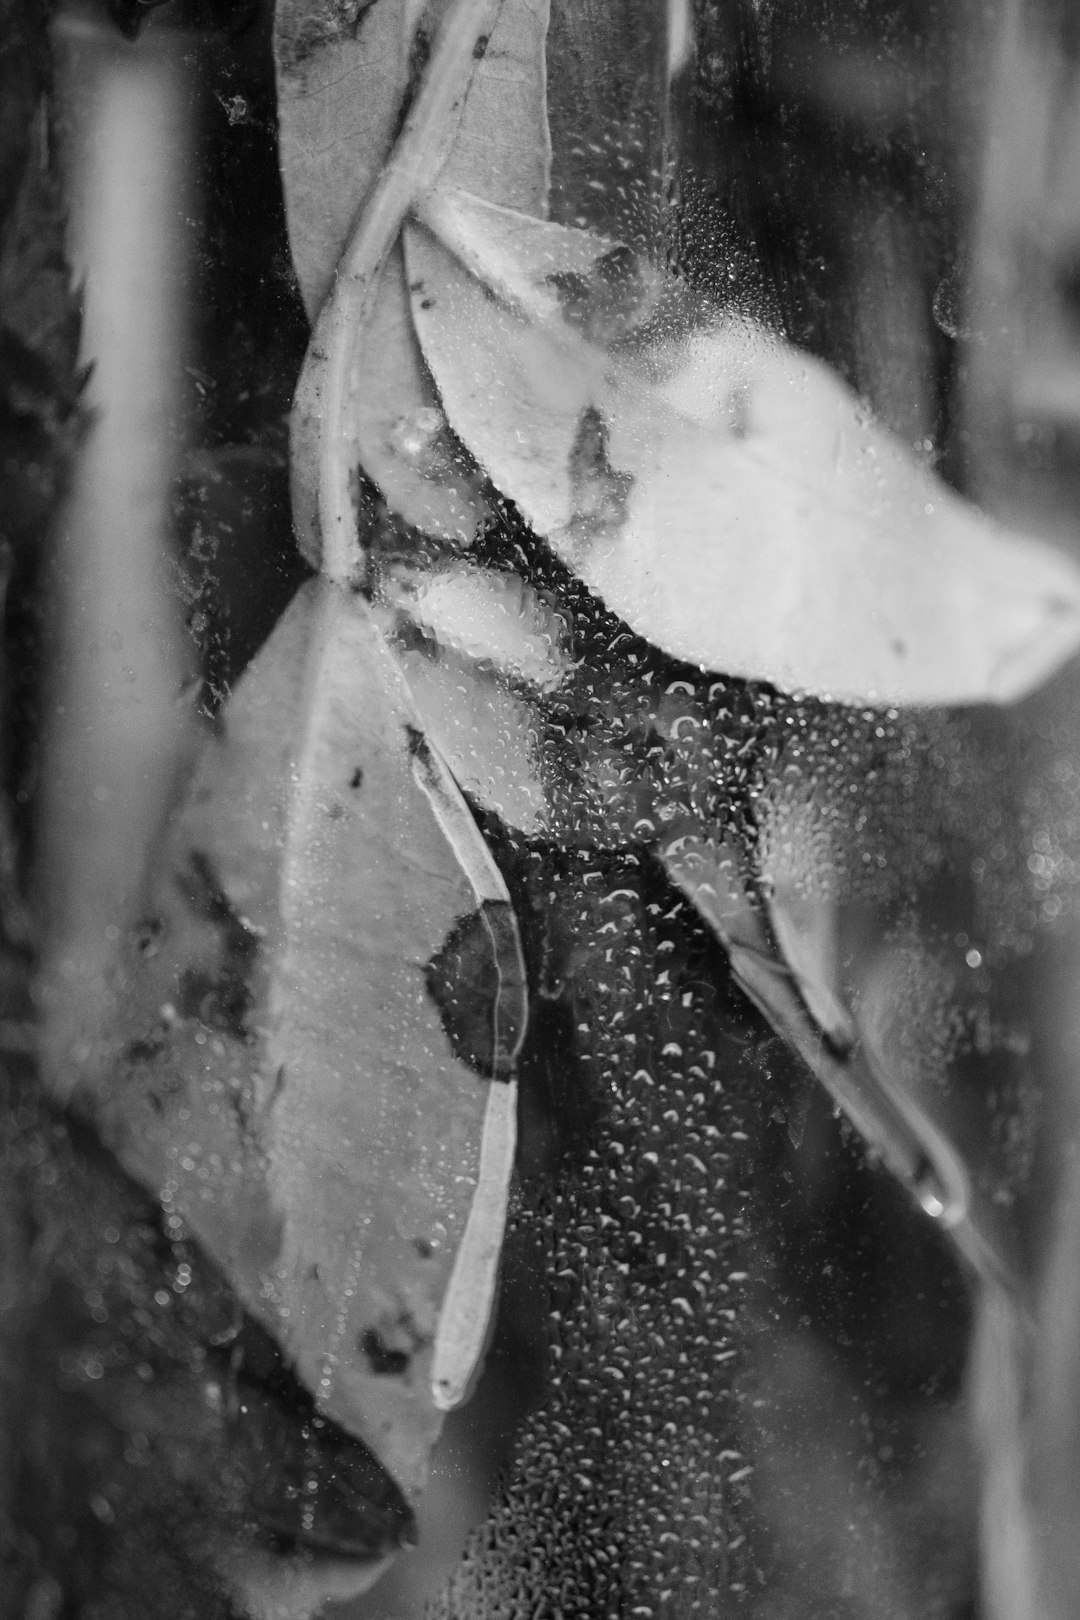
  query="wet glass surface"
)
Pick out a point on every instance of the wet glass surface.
point(540, 1076)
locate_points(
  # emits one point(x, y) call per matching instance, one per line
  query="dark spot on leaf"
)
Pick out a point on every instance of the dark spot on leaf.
point(608, 305)
point(383, 1360)
point(899, 648)
point(599, 491)
point(418, 61)
point(619, 267)
point(573, 294)
point(145, 1049)
point(148, 935)
point(479, 50)
point(223, 997)
point(279, 1445)
point(331, 21)
point(427, 303)
point(356, 779)
point(336, 811)
point(416, 286)
point(423, 1248)
point(390, 1345)
point(419, 751)
point(476, 982)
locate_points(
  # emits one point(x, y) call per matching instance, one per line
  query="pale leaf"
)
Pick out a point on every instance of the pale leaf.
point(395, 422)
point(725, 494)
point(477, 649)
point(484, 614)
point(302, 1062)
point(340, 102)
point(805, 928)
point(341, 82)
point(340, 95)
point(710, 875)
point(501, 152)
point(324, 445)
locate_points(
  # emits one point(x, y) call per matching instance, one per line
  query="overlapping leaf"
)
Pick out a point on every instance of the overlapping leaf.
point(341, 93)
point(311, 1055)
point(343, 74)
point(479, 651)
point(301, 1055)
point(782, 946)
point(725, 495)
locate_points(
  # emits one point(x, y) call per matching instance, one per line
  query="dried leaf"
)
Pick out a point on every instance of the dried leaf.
point(722, 492)
point(320, 1016)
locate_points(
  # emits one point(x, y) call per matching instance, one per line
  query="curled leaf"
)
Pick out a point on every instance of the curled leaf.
point(723, 493)
point(342, 78)
point(804, 927)
point(484, 614)
point(501, 151)
point(324, 448)
point(325, 988)
point(364, 389)
point(919, 1155)
point(477, 650)
point(341, 90)
point(398, 428)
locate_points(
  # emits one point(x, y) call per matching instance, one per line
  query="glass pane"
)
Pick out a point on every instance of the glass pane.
point(540, 824)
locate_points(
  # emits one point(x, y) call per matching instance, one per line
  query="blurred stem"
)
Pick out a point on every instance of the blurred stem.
point(113, 728)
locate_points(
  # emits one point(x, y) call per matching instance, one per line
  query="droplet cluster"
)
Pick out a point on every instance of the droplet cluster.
point(624, 1494)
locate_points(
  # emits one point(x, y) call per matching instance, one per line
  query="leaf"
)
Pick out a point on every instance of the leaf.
point(320, 1015)
point(342, 77)
point(343, 74)
point(477, 650)
point(723, 493)
point(341, 90)
point(324, 450)
point(389, 411)
point(786, 993)
point(484, 614)
point(500, 152)
point(804, 927)
point(397, 429)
